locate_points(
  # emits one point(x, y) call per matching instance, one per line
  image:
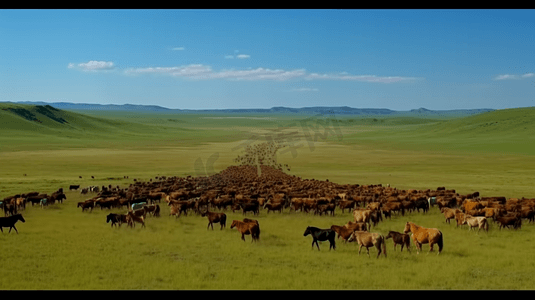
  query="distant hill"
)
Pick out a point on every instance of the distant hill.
point(46, 119)
point(88, 106)
point(337, 110)
point(26, 125)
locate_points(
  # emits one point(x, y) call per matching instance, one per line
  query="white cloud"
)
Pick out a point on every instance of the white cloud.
point(305, 90)
point(204, 72)
point(509, 76)
point(179, 48)
point(506, 76)
point(366, 78)
point(258, 74)
point(93, 66)
point(239, 56)
point(190, 70)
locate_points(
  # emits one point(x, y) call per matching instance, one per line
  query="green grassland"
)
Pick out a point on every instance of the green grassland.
point(62, 248)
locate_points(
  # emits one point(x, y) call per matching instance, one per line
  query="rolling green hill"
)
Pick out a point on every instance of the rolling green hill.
point(506, 130)
point(28, 126)
point(23, 126)
point(49, 120)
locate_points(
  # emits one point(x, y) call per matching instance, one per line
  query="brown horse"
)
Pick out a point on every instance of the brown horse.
point(369, 239)
point(343, 231)
point(151, 209)
point(400, 239)
point(422, 235)
point(132, 219)
point(360, 226)
point(246, 228)
point(214, 217)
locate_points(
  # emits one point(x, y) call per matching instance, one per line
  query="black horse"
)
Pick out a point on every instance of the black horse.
point(321, 235)
point(10, 222)
point(422, 204)
point(116, 219)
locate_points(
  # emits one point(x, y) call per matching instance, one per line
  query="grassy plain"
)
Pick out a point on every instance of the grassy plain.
point(61, 248)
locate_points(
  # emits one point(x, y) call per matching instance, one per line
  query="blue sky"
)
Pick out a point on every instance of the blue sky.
point(213, 59)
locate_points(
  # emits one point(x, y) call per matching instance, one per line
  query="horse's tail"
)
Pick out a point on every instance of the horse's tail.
point(440, 242)
point(383, 244)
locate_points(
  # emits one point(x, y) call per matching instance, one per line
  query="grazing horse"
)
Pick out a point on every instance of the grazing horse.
point(246, 220)
point(421, 204)
point(245, 207)
point(273, 207)
point(369, 239)
point(9, 209)
point(116, 219)
point(246, 228)
point(360, 226)
point(151, 208)
point(174, 210)
point(400, 239)
point(449, 213)
point(214, 217)
point(20, 203)
point(325, 208)
point(321, 235)
point(10, 222)
point(131, 218)
point(347, 204)
point(156, 212)
point(342, 231)
point(480, 222)
point(422, 235)
point(140, 212)
point(362, 215)
point(506, 221)
point(86, 205)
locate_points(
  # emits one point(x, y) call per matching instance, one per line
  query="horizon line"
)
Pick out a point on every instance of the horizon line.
point(251, 108)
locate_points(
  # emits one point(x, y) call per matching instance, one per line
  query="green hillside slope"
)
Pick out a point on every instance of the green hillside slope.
point(506, 122)
point(49, 120)
point(506, 130)
point(24, 127)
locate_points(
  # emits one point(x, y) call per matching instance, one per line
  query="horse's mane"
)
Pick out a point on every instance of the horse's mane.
point(239, 223)
point(413, 224)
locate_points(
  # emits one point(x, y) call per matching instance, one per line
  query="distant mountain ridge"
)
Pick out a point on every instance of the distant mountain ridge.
point(337, 110)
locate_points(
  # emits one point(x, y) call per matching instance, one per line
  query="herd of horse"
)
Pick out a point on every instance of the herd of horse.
point(419, 234)
point(358, 231)
point(353, 231)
